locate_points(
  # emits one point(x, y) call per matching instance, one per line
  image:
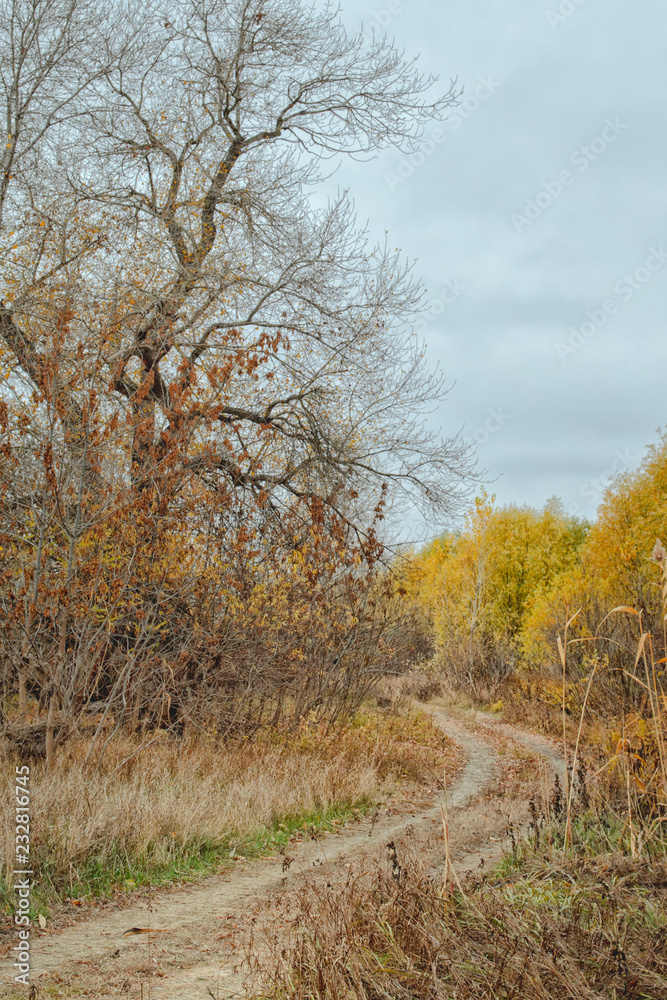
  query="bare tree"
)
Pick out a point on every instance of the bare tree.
point(161, 197)
point(186, 339)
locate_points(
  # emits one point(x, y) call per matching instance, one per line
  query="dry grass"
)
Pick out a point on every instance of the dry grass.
point(547, 930)
point(399, 689)
point(569, 914)
point(170, 809)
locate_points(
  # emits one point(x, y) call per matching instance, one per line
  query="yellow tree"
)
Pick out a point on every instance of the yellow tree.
point(614, 567)
point(481, 584)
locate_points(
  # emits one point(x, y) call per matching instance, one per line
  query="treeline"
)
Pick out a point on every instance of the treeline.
point(501, 591)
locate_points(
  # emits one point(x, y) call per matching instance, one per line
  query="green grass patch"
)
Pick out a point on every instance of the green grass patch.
point(172, 862)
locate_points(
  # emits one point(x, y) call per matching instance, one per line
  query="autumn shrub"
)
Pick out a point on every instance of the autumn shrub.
point(614, 569)
point(227, 616)
point(498, 593)
point(621, 566)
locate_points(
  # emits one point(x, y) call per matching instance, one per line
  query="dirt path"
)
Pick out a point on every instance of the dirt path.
point(195, 957)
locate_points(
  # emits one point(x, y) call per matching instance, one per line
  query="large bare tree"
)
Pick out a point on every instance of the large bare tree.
point(157, 213)
point(191, 344)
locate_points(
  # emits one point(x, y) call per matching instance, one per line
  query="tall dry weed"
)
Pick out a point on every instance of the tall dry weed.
point(548, 931)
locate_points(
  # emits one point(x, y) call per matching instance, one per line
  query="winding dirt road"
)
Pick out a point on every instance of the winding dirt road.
point(194, 955)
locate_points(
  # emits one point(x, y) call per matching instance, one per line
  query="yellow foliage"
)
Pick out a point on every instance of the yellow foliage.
point(633, 514)
point(486, 579)
point(615, 565)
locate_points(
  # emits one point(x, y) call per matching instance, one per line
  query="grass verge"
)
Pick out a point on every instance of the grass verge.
point(165, 811)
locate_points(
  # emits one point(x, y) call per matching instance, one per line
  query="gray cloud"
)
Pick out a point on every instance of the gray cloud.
point(557, 87)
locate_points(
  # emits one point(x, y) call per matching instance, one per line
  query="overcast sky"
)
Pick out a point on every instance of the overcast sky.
point(538, 217)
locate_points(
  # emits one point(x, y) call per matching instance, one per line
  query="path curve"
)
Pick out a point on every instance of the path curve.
point(183, 961)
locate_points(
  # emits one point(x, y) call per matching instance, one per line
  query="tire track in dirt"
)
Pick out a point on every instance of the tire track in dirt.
point(189, 961)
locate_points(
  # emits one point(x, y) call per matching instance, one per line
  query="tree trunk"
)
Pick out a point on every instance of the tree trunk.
point(50, 749)
point(23, 699)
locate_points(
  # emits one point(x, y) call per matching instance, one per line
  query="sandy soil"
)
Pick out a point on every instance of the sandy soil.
point(204, 929)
